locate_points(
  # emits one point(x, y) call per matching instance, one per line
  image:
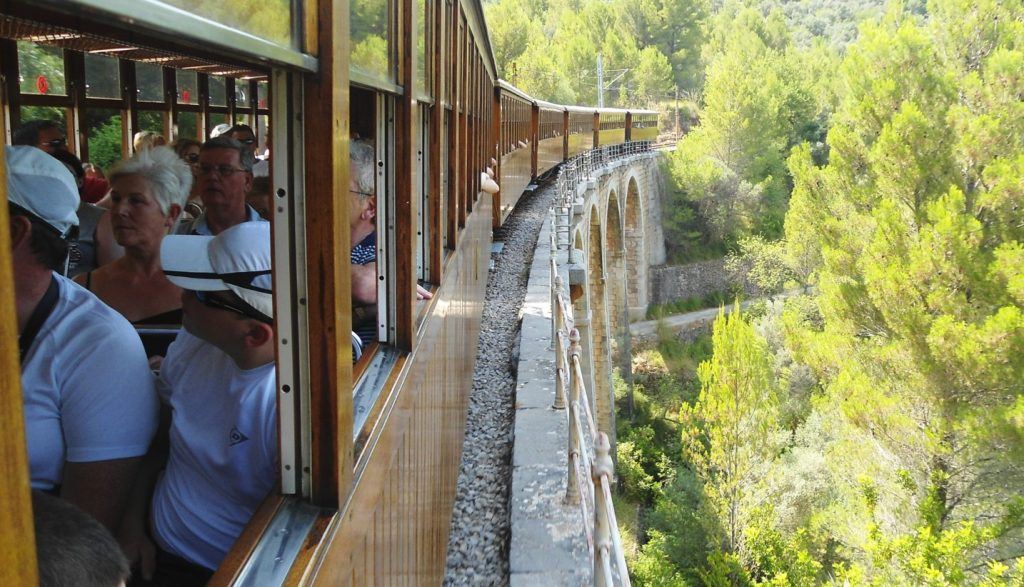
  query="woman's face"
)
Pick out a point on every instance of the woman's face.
point(135, 215)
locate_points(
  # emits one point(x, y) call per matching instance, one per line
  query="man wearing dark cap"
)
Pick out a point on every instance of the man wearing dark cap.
point(219, 382)
point(89, 402)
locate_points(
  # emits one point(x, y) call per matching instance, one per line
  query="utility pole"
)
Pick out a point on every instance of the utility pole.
point(600, 82)
point(677, 112)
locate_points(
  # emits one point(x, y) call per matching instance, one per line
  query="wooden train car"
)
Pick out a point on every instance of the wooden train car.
point(535, 137)
point(369, 449)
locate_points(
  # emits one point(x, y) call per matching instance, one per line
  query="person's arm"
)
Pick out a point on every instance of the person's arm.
point(135, 541)
point(364, 284)
point(101, 488)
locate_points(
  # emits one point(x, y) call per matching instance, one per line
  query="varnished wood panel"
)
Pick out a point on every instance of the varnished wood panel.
point(406, 205)
point(549, 154)
point(612, 136)
point(394, 529)
point(515, 177)
point(580, 142)
point(327, 243)
point(17, 534)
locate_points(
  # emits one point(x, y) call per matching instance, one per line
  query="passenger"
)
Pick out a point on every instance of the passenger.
point(148, 193)
point(220, 129)
point(225, 177)
point(188, 150)
point(218, 381)
point(243, 134)
point(363, 235)
point(259, 197)
point(72, 548)
point(89, 402)
point(85, 251)
point(147, 139)
point(95, 186)
point(42, 134)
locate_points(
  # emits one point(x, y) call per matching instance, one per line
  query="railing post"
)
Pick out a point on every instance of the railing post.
point(558, 323)
point(572, 488)
point(602, 466)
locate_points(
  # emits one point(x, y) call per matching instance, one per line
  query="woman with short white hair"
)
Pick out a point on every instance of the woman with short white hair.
point(147, 194)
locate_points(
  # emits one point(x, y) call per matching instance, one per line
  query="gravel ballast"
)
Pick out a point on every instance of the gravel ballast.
point(478, 541)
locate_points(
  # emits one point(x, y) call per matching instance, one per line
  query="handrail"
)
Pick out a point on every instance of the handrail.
point(588, 447)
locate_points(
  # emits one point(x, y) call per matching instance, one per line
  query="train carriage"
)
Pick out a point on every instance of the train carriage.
point(369, 449)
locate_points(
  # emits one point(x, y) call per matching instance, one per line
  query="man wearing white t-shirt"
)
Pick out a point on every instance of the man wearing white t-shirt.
point(218, 380)
point(89, 403)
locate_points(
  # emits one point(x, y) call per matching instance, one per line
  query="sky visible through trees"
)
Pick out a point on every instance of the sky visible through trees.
point(870, 430)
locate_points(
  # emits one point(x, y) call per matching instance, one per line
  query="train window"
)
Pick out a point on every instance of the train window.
point(104, 137)
point(187, 86)
point(151, 120)
point(216, 118)
point(423, 225)
point(371, 33)
point(149, 80)
point(423, 29)
point(41, 69)
point(218, 90)
point(262, 90)
point(102, 77)
point(268, 20)
point(243, 100)
point(187, 126)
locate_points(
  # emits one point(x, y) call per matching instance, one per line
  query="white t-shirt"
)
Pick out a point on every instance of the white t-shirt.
point(223, 458)
point(87, 388)
point(261, 168)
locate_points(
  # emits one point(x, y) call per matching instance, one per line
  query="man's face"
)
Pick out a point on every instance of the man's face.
point(247, 139)
point(207, 321)
point(52, 140)
point(222, 181)
point(358, 202)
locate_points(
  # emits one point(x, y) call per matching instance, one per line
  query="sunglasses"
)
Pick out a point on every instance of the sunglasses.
point(221, 170)
point(246, 141)
point(55, 143)
point(192, 158)
point(218, 304)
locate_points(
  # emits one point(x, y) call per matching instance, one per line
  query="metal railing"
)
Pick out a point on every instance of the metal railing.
point(583, 168)
point(590, 468)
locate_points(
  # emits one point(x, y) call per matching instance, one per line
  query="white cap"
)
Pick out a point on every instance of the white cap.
point(43, 187)
point(220, 129)
point(237, 260)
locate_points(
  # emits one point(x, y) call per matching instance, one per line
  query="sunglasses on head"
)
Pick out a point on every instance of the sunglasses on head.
point(209, 301)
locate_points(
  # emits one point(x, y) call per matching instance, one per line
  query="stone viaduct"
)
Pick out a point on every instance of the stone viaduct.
point(614, 225)
point(607, 221)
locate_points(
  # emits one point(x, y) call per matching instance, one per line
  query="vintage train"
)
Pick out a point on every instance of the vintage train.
point(369, 449)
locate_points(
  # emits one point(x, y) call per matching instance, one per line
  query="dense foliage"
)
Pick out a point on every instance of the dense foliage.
point(550, 48)
point(871, 430)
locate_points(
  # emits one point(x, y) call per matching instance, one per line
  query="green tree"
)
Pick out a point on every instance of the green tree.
point(921, 345)
point(728, 435)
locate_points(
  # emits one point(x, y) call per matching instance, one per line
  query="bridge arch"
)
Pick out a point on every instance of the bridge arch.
point(599, 327)
point(635, 250)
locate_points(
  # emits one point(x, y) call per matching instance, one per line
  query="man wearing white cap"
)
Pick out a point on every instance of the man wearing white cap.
point(219, 381)
point(89, 401)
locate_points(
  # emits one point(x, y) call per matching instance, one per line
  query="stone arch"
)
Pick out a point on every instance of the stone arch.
point(636, 251)
point(600, 350)
point(616, 277)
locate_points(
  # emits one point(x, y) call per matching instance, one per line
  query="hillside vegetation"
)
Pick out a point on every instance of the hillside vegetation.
point(870, 431)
